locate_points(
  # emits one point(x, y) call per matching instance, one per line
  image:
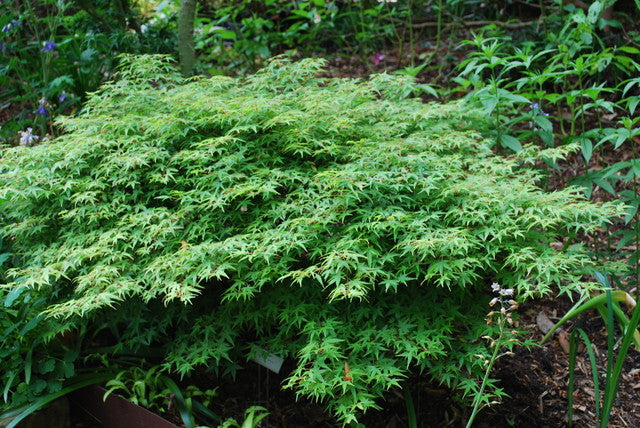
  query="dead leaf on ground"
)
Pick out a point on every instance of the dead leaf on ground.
point(563, 339)
point(544, 323)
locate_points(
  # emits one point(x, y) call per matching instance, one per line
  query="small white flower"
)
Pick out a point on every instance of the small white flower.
point(506, 292)
point(26, 138)
point(317, 18)
point(495, 287)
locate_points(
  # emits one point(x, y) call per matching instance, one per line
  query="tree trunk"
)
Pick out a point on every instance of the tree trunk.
point(186, 50)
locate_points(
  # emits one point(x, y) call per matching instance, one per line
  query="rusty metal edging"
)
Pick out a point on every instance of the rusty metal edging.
point(116, 412)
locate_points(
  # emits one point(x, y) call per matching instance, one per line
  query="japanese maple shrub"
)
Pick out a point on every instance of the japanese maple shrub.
point(340, 223)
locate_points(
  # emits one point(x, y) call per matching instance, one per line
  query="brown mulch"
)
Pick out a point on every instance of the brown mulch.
point(536, 380)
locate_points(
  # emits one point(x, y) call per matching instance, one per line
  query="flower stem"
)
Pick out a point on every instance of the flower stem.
point(494, 357)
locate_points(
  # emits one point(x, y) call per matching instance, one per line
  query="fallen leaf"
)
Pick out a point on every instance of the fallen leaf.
point(544, 323)
point(563, 339)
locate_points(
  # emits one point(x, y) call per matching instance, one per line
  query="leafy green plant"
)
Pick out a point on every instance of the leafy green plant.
point(337, 222)
point(581, 83)
point(29, 370)
point(487, 69)
point(252, 418)
point(574, 84)
point(151, 388)
point(144, 387)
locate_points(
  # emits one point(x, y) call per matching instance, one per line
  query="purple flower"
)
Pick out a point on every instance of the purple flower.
point(535, 108)
point(377, 59)
point(63, 97)
point(11, 25)
point(49, 46)
point(42, 109)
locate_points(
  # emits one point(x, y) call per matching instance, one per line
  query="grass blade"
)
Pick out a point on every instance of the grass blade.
point(183, 407)
point(624, 323)
point(612, 382)
point(594, 371)
point(206, 412)
point(578, 308)
point(610, 336)
point(251, 420)
point(412, 421)
point(572, 368)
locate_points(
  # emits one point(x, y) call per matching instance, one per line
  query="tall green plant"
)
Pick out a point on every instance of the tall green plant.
point(574, 84)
